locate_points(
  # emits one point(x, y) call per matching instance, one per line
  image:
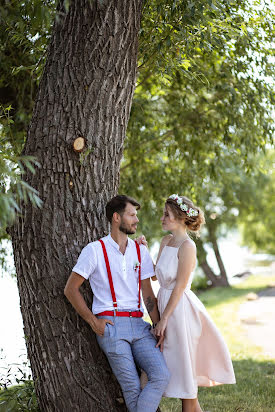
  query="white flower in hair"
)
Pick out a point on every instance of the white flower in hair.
point(192, 212)
point(174, 196)
point(183, 206)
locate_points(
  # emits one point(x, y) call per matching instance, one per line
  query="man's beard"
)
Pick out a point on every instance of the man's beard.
point(124, 229)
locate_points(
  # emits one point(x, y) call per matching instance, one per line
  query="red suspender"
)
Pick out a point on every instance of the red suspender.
point(139, 275)
point(109, 274)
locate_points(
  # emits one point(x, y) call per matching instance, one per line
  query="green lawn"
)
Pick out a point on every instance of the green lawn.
point(255, 373)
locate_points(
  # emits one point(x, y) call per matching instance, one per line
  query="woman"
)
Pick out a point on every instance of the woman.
point(194, 350)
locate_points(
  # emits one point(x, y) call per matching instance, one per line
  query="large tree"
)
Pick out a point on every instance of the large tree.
point(86, 91)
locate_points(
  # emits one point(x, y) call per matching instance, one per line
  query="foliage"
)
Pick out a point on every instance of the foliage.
point(199, 282)
point(257, 214)
point(202, 138)
point(24, 34)
point(20, 397)
point(171, 30)
point(181, 130)
point(13, 188)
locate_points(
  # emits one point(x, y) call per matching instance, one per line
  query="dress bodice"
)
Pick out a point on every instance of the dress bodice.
point(166, 268)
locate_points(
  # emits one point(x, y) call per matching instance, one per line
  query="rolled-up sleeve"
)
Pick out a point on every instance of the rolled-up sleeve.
point(86, 262)
point(147, 266)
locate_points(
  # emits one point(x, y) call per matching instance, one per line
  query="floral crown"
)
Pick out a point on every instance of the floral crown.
point(188, 210)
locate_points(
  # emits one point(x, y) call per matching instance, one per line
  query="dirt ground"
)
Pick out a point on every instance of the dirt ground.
point(258, 318)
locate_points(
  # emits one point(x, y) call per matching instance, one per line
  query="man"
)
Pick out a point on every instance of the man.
point(118, 270)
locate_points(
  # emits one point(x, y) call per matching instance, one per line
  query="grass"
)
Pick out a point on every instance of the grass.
point(255, 372)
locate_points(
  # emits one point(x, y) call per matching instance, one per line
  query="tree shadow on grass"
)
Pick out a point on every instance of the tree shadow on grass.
point(253, 392)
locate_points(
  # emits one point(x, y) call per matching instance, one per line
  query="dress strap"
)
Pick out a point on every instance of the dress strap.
point(109, 273)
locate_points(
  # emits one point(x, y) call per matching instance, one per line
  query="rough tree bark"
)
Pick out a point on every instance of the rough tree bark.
point(86, 91)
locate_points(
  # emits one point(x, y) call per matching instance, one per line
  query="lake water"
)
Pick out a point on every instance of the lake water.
point(236, 259)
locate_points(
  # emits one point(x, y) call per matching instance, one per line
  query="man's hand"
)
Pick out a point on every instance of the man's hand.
point(74, 296)
point(99, 325)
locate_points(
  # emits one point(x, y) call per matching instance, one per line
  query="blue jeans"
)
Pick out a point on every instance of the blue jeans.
point(130, 342)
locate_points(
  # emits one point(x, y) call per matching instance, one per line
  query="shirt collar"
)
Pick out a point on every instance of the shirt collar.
point(113, 242)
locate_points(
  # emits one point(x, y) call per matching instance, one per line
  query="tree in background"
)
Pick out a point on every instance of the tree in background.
point(256, 215)
point(196, 138)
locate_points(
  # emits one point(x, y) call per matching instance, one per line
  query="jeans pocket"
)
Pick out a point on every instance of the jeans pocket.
point(106, 330)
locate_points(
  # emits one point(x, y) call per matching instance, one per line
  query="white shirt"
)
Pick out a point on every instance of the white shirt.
point(91, 265)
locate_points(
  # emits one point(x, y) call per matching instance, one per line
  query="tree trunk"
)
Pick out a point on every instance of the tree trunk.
point(223, 275)
point(86, 91)
point(207, 270)
point(215, 280)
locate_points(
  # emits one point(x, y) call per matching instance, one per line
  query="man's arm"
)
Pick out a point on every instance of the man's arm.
point(150, 300)
point(74, 296)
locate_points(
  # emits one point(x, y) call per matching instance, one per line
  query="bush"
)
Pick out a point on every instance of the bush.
point(199, 282)
point(19, 398)
point(17, 392)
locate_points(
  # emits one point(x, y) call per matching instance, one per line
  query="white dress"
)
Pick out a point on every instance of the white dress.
point(195, 352)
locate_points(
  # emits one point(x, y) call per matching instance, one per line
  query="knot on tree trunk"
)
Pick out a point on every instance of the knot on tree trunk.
point(79, 144)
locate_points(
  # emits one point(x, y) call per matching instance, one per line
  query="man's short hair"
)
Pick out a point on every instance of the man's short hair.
point(118, 204)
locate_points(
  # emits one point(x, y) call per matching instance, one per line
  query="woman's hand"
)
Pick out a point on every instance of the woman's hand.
point(159, 332)
point(141, 240)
